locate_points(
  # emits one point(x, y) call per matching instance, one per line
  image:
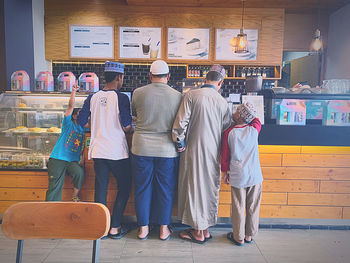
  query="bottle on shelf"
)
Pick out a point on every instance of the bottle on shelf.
point(190, 72)
point(259, 71)
point(198, 72)
point(254, 72)
point(249, 72)
point(243, 72)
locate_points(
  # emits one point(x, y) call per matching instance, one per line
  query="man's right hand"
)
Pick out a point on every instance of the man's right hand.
point(180, 150)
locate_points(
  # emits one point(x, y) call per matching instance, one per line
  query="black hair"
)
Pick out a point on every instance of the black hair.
point(75, 111)
point(214, 76)
point(161, 75)
point(110, 76)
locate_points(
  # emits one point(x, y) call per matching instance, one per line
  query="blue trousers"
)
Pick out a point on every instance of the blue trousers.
point(121, 170)
point(155, 180)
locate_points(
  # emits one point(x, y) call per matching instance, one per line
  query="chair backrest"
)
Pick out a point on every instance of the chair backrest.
point(63, 220)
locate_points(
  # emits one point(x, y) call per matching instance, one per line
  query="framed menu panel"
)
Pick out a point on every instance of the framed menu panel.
point(186, 43)
point(91, 41)
point(140, 42)
point(223, 49)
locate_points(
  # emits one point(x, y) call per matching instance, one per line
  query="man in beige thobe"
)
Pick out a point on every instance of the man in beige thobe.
point(197, 131)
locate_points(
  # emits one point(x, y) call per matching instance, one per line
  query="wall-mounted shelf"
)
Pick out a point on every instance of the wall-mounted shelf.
point(237, 71)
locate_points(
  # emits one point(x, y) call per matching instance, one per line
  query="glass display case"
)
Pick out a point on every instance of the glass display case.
point(30, 124)
point(317, 108)
point(305, 116)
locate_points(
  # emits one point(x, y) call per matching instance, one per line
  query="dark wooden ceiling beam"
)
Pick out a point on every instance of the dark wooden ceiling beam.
point(299, 6)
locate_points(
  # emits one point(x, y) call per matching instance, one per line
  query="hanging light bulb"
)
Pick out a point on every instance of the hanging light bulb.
point(242, 42)
point(241, 39)
point(316, 44)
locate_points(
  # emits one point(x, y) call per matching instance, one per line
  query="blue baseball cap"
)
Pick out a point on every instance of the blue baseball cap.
point(114, 67)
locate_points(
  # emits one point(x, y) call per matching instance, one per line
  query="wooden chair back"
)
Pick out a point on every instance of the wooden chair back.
point(62, 220)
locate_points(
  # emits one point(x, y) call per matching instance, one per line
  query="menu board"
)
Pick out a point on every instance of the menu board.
point(186, 43)
point(140, 42)
point(224, 49)
point(91, 41)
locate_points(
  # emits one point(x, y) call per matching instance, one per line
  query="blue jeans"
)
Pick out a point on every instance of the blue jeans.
point(122, 172)
point(155, 180)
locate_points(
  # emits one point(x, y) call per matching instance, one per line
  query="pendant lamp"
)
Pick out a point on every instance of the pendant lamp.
point(316, 45)
point(241, 39)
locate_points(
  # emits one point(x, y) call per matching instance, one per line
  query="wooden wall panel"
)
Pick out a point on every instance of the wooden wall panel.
point(23, 181)
point(316, 160)
point(295, 184)
point(306, 173)
point(335, 187)
point(319, 199)
point(290, 186)
point(224, 210)
point(268, 159)
point(300, 212)
point(19, 194)
point(59, 15)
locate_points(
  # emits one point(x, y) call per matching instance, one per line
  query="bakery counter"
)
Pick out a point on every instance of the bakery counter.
point(30, 124)
point(299, 182)
point(313, 119)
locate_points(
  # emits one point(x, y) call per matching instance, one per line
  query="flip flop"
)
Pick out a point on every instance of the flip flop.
point(122, 233)
point(206, 238)
point(168, 237)
point(192, 238)
point(230, 237)
point(147, 236)
point(143, 238)
point(247, 241)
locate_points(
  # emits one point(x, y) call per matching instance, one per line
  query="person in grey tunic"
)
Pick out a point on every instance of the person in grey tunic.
point(202, 118)
point(154, 159)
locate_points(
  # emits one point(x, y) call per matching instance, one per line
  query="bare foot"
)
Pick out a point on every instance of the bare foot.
point(164, 232)
point(197, 234)
point(248, 238)
point(143, 232)
point(207, 234)
point(114, 230)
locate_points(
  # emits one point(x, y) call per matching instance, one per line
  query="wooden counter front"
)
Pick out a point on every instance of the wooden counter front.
point(299, 182)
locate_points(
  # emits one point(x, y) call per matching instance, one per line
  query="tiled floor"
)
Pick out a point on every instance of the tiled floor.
point(271, 245)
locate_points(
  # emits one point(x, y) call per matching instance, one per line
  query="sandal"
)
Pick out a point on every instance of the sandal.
point(192, 238)
point(230, 237)
point(122, 233)
point(168, 237)
point(207, 238)
point(145, 237)
point(248, 241)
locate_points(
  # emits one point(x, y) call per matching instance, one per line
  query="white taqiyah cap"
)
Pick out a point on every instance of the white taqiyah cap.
point(159, 67)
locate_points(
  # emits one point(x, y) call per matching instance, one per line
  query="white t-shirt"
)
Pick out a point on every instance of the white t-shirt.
point(107, 136)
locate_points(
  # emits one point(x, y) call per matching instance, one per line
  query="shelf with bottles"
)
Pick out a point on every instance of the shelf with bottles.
point(236, 71)
point(267, 72)
point(200, 71)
